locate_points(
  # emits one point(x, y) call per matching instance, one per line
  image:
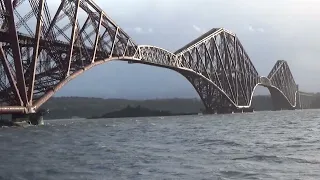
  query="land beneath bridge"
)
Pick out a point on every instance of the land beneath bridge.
point(139, 111)
point(83, 107)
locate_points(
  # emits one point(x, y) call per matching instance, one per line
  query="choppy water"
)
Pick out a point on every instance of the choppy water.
point(261, 145)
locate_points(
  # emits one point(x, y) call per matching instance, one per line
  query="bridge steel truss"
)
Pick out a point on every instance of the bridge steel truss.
point(42, 48)
point(283, 88)
point(37, 61)
point(228, 75)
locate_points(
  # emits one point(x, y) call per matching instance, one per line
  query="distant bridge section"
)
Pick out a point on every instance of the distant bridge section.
point(228, 75)
point(305, 100)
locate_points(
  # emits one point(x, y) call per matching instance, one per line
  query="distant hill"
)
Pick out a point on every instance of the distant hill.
point(68, 107)
point(139, 111)
point(83, 107)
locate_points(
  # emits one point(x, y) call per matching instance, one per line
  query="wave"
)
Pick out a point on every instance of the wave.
point(218, 142)
point(277, 159)
point(240, 174)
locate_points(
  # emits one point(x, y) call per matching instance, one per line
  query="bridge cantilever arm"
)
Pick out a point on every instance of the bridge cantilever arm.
point(52, 91)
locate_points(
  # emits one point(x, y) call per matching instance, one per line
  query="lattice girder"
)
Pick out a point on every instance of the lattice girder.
point(282, 78)
point(220, 57)
point(36, 57)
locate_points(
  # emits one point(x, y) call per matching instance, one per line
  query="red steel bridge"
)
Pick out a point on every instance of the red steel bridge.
point(43, 48)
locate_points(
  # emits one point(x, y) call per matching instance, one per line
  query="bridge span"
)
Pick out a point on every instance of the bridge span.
point(43, 48)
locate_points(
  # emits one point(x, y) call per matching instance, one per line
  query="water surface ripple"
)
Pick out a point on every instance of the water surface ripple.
point(260, 145)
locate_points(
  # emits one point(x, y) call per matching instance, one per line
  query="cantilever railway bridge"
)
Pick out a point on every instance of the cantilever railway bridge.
point(43, 48)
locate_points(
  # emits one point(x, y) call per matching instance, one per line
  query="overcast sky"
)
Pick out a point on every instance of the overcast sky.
point(268, 29)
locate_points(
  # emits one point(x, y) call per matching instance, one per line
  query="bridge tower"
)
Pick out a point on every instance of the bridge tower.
point(223, 74)
point(282, 87)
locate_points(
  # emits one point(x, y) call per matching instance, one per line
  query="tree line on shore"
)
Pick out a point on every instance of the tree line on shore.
point(83, 107)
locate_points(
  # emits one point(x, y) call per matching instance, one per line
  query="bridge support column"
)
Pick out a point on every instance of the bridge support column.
point(250, 110)
point(32, 119)
point(225, 110)
point(228, 110)
point(219, 110)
